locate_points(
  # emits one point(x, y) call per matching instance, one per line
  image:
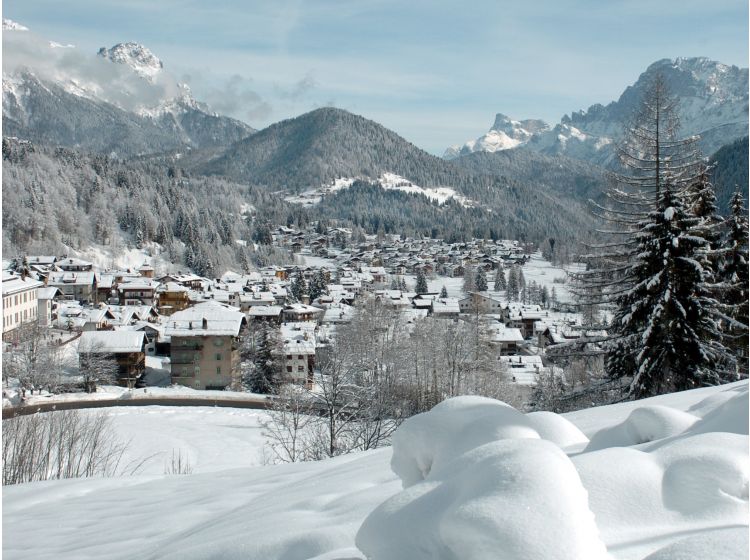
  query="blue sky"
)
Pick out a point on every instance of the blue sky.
point(435, 72)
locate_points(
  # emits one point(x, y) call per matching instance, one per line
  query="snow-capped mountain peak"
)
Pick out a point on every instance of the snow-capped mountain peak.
point(10, 25)
point(143, 62)
point(504, 134)
point(713, 103)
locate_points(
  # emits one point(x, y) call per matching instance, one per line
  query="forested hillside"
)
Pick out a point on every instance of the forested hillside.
point(57, 200)
point(730, 165)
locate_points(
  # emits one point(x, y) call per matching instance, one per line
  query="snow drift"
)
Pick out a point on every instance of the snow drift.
point(668, 480)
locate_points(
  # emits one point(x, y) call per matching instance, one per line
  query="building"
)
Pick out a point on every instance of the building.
point(138, 291)
point(127, 348)
point(20, 302)
point(78, 286)
point(172, 297)
point(205, 346)
point(477, 302)
point(299, 352)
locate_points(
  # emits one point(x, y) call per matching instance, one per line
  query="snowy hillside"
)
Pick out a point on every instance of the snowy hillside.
point(386, 181)
point(664, 478)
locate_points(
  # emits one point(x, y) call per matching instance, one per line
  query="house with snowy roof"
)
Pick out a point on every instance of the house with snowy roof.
point(205, 345)
point(299, 343)
point(126, 348)
point(480, 302)
point(78, 286)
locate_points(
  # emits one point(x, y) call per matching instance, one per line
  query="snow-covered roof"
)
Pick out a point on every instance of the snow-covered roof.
point(445, 305)
point(265, 311)
point(13, 284)
point(210, 318)
point(111, 342)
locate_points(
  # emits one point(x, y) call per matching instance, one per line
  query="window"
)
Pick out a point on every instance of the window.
point(218, 342)
point(288, 357)
point(218, 357)
point(300, 357)
point(289, 369)
point(218, 371)
point(300, 368)
point(24, 297)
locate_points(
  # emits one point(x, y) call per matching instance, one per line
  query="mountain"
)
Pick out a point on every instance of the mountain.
point(713, 103)
point(137, 57)
point(504, 135)
point(571, 178)
point(121, 101)
point(330, 147)
point(326, 144)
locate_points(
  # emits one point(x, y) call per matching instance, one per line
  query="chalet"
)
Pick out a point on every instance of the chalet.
point(127, 348)
point(445, 308)
point(265, 313)
point(301, 312)
point(172, 297)
point(138, 291)
point(205, 346)
point(78, 286)
point(478, 302)
point(106, 288)
point(506, 340)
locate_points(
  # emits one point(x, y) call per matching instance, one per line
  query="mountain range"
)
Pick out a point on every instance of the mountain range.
point(121, 102)
point(713, 103)
point(523, 180)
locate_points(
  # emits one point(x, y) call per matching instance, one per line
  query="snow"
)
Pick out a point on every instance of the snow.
point(513, 498)
point(387, 181)
point(476, 479)
point(646, 423)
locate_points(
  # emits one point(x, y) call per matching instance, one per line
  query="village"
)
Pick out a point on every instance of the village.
point(182, 330)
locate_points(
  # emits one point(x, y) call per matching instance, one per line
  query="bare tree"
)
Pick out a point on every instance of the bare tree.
point(96, 366)
point(64, 444)
point(291, 413)
point(35, 360)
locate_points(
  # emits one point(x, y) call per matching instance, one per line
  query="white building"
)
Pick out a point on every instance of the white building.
point(20, 302)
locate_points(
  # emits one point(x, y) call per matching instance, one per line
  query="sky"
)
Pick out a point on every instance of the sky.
point(435, 72)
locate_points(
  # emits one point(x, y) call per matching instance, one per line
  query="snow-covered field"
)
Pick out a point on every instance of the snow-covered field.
point(664, 478)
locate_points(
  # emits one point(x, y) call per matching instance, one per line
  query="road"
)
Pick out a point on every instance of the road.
point(253, 403)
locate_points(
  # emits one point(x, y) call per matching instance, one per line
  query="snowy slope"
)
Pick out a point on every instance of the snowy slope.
point(475, 477)
point(386, 181)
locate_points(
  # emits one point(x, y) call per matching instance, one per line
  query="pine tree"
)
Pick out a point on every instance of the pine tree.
point(443, 293)
point(481, 280)
point(668, 332)
point(402, 284)
point(299, 286)
point(421, 287)
point(733, 276)
point(318, 285)
point(266, 377)
point(500, 283)
point(513, 287)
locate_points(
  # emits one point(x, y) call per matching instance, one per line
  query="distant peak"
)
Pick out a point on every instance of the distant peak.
point(10, 25)
point(136, 56)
